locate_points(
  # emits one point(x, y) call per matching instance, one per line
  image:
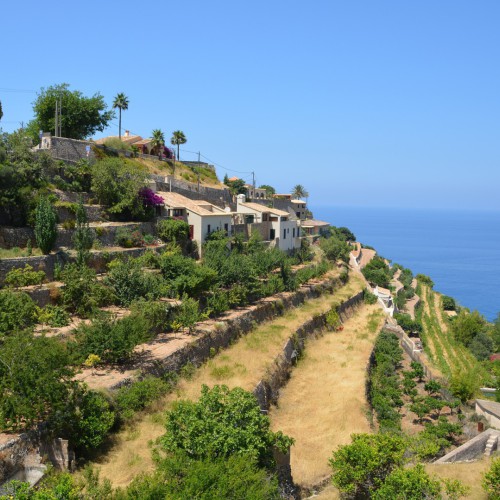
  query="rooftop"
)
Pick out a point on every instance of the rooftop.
point(263, 209)
point(200, 207)
point(314, 223)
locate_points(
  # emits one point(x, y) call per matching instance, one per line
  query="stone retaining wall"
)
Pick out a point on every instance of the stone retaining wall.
point(471, 450)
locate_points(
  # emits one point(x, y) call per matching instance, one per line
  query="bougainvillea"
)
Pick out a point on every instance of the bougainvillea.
point(150, 198)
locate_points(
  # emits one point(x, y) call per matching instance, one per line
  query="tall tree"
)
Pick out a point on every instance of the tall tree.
point(120, 102)
point(177, 139)
point(158, 140)
point(81, 116)
point(299, 191)
point(1, 111)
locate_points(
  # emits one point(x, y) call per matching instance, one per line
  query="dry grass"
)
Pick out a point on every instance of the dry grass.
point(469, 473)
point(242, 364)
point(324, 401)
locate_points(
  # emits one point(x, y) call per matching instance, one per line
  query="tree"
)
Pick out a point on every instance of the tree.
point(1, 110)
point(491, 480)
point(45, 225)
point(467, 326)
point(17, 311)
point(81, 116)
point(361, 467)
point(83, 237)
point(177, 139)
point(299, 191)
point(117, 184)
point(120, 102)
point(409, 484)
point(270, 191)
point(223, 422)
point(35, 380)
point(157, 141)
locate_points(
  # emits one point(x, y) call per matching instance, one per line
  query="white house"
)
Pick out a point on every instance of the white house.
point(273, 224)
point(203, 217)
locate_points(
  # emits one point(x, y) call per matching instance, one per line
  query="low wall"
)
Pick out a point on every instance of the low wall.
point(490, 410)
point(471, 450)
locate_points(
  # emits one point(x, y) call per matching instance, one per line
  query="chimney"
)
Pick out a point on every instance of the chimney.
point(127, 133)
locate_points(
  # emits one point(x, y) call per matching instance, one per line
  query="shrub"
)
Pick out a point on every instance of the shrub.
point(425, 280)
point(377, 271)
point(26, 276)
point(335, 249)
point(156, 314)
point(45, 225)
point(82, 293)
point(491, 480)
point(187, 314)
point(113, 340)
point(465, 384)
point(172, 230)
point(481, 346)
point(139, 395)
point(128, 238)
point(83, 238)
point(467, 326)
point(449, 303)
point(54, 316)
point(17, 311)
point(369, 298)
point(407, 324)
point(223, 422)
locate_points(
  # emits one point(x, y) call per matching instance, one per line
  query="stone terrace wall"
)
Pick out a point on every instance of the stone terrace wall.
point(68, 150)
point(218, 197)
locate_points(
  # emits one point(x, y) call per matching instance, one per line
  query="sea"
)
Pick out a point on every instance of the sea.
point(458, 249)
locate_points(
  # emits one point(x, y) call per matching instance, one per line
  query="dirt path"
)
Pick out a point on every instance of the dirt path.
point(324, 401)
point(242, 364)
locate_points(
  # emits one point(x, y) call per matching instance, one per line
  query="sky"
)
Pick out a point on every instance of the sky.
point(364, 103)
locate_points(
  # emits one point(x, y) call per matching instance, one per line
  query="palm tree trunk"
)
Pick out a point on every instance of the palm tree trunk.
point(120, 124)
point(178, 159)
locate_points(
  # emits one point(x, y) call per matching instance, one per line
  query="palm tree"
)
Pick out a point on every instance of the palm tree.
point(177, 139)
point(158, 140)
point(120, 102)
point(299, 191)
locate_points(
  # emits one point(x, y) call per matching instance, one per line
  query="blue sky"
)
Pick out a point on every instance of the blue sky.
point(385, 103)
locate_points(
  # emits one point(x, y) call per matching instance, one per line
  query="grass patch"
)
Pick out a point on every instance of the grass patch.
point(12, 253)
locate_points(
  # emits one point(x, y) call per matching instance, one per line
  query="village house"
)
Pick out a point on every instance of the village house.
point(273, 224)
point(312, 227)
point(203, 217)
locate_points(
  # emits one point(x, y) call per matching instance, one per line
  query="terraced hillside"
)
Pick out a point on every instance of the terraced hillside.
point(243, 364)
point(445, 353)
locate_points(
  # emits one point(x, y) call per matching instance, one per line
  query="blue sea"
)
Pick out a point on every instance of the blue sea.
point(459, 250)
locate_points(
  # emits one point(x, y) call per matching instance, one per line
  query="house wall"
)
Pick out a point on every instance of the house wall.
point(200, 225)
point(288, 242)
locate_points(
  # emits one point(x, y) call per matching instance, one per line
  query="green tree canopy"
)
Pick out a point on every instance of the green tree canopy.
point(81, 116)
point(222, 423)
point(269, 189)
point(299, 191)
point(467, 326)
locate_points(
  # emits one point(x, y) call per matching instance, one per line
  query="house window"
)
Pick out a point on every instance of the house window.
point(208, 228)
point(284, 234)
point(178, 212)
point(293, 233)
point(226, 228)
point(272, 234)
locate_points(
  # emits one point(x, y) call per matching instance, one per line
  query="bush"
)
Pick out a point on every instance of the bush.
point(113, 340)
point(54, 316)
point(82, 293)
point(467, 326)
point(407, 324)
point(139, 395)
point(425, 280)
point(335, 249)
point(172, 230)
point(157, 315)
point(491, 480)
point(449, 303)
point(26, 276)
point(369, 298)
point(127, 238)
point(83, 238)
point(17, 311)
point(187, 314)
point(465, 384)
point(222, 423)
point(481, 346)
point(377, 271)
point(45, 225)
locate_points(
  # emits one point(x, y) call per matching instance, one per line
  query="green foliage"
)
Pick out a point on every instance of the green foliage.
point(177, 139)
point(407, 324)
point(92, 420)
point(425, 280)
point(156, 314)
point(237, 186)
point(222, 423)
point(81, 118)
point(361, 467)
point(26, 276)
point(45, 225)
point(54, 316)
point(34, 380)
point(187, 314)
point(113, 340)
point(369, 298)
point(432, 387)
point(335, 249)
point(343, 233)
point(179, 476)
point(137, 396)
point(129, 282)
point(482, 346)
point(299, 191)
point(467, 325)
point(128, 238)
point(448, 303)
point(83, 238)
point(17, 311)
point(385, 389)
point(82, 293)
point(116, 183)
point(332, 319)
point(464, 384)
point(491, 480)
point(172, 230)
point(418, 370)
point(269, 189)
point(377, 271)
point(409, 484)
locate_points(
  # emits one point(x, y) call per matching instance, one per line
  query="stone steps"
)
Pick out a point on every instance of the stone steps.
point(491, 445)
